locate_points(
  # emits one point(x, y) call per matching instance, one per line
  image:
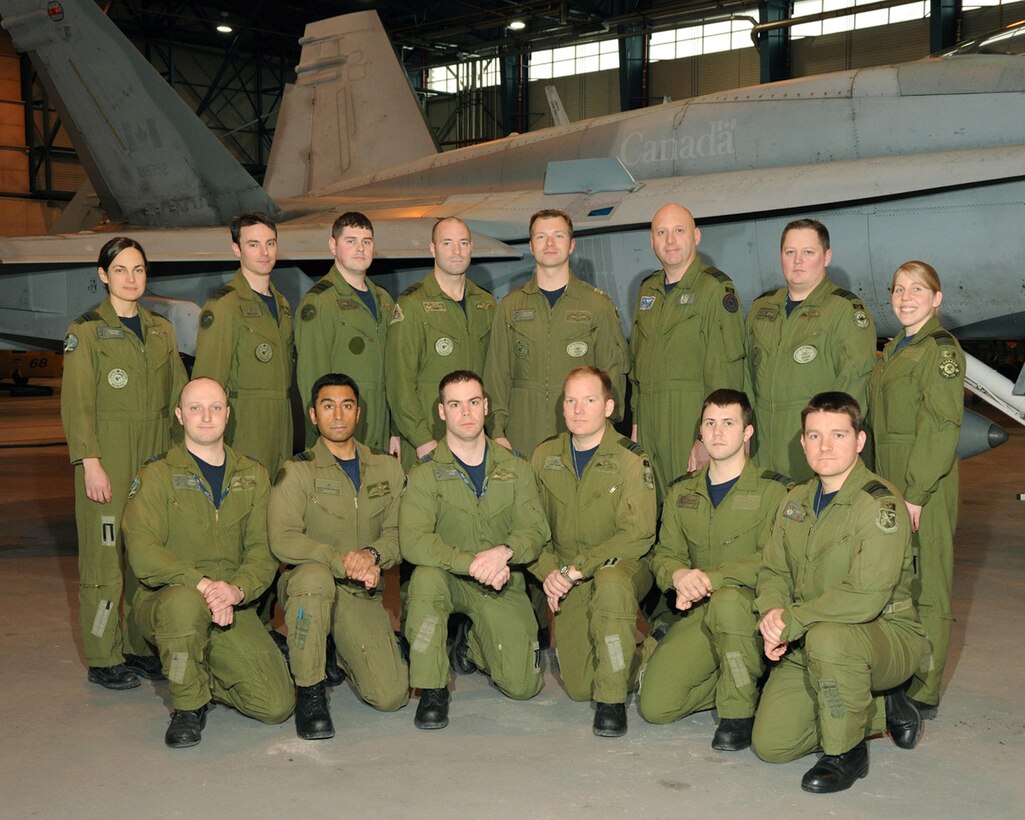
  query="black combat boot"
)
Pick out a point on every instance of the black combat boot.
point(834, 773)
point(114, 677)
point(334, 675)
point(903, 721)
point(312, 718)
point(609, 719)
point(145, 666)
point(186, 727)
point(733, 734)
point(432, 711)
point(460, 644)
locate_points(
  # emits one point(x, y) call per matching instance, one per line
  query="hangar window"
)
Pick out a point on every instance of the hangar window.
point(451, 79)
point(880, 17)
point(703, 38)
point(582, 59)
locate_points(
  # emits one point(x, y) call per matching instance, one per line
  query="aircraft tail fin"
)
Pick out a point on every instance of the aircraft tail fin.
point(351, 111)
point(151, 160)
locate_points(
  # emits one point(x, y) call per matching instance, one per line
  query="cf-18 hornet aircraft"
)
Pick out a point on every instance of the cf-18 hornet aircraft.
point(921, 160)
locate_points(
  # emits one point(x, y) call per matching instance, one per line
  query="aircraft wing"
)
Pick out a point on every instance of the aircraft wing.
point(298, 240)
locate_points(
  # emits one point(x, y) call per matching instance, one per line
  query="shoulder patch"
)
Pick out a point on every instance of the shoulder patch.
point(136, 484)
point(396, 314)
point(279, 476)
point(877, 489)
point(206, 318)
point(413, 288)
point(729, 300)
point(70, 343)
point(769, 475)
point(307, 312)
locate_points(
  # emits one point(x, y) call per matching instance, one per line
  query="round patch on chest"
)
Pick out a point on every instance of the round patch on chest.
point(357, 345)
point(521, 349)
point(576, 349)
point(264, 352)
point(117, 378)
point(805, 354)
point(444, 346)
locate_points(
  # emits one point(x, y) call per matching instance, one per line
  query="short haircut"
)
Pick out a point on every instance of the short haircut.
point(458, 377)
point(114, 246)
point(724, 396)
point(333, 380)
point(590, 370)
point(439, 220)
point(806, 224)
point(834, 401)
point(550, 213)
point(247, 220)
point(921, 272)
point(351, 219)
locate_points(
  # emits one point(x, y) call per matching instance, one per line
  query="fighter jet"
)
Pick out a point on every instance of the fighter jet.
point(918, 160)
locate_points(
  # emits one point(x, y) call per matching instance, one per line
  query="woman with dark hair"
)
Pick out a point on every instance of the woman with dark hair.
point(122, 377)
point(915, 407)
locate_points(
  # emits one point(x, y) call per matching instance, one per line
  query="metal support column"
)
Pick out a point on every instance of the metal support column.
point(943, 21)
point(515, 91)
point(774, 46)
point(633, 68)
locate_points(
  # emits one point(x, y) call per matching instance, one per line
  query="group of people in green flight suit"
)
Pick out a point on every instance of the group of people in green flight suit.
point(419, 378)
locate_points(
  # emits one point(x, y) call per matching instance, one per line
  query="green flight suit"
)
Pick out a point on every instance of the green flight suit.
point(315, 517)
point(684, 344)
point(915, 408)
point(827, 343)
point(713, 655)
point(442, 527)
point(117, 403)
point(241, 347)
point(337, 333)
point(175, 537)
point(604, 525)
point(533, 347)
point(843, 581)
point(429, 336)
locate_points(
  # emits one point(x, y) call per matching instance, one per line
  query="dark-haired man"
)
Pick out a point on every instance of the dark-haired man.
point(715, 522)
point(802, 339)
point(196, 535)
point(333, 519)
point(468, 519)
point(245, 344)
point(834, 595)
point(343, 328)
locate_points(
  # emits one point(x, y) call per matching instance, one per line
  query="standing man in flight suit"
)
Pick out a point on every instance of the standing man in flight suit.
point(245, 344)
point(196, 533)
point(715, 522)
point(687, 340)
point(440, 324)
point(467, 520)
point(598, 492)
point(834, 595)
point(543, 330)
point(334, 519)
point(806, 338)
point(343, 327)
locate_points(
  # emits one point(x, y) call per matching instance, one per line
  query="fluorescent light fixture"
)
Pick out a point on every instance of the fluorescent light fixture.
point(517, 25)
point(224, 28)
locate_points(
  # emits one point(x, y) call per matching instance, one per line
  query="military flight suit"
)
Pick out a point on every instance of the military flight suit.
point(713, 655)
point(843, 580)
point(533, 347)
point(117, 404)
point(915, 408)
point(430, 336)
point(175, 537)
point(315, 517)
point(684, 345)
point(337, 333)
point(604, 525)
point(442, 527)
point(241, 346)
point(827, 343)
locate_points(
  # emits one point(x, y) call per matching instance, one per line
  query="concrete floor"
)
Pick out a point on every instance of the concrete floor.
point(73, 749)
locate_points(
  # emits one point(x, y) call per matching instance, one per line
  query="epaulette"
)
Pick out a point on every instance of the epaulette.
point(306, 455)
point(877, 489)
point(719, 275)
point(631, 445)
point(412, 288)
point(320, 287)
point(157, 457)
point(376, 451)
point(551, 438)
point(769, 292)
point(683, 477)
point(943, 337)
point(159, 315)
point(221, 292)
point(88, 316)
point(850, 297)
point(769, 475)
point(660, 274)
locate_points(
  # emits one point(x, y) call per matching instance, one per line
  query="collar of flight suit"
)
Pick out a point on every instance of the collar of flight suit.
point(573, 284)
point(432, 289)
point(816, 297)
point(858, 478)
point(180, 457)
point(109, 315)
point(747, 481)
point(245, 291)
point(609, 445)
point(926, 330)
point(323, 457)
point(338, 282)
point(689, 275)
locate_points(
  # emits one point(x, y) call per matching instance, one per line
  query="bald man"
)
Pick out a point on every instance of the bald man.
point(687, 340)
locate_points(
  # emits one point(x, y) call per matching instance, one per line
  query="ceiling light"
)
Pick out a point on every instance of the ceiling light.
point(224, 28)
point(517, 25)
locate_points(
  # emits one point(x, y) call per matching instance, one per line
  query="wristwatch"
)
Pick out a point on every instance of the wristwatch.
point(376, 554)
point(565, 574)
